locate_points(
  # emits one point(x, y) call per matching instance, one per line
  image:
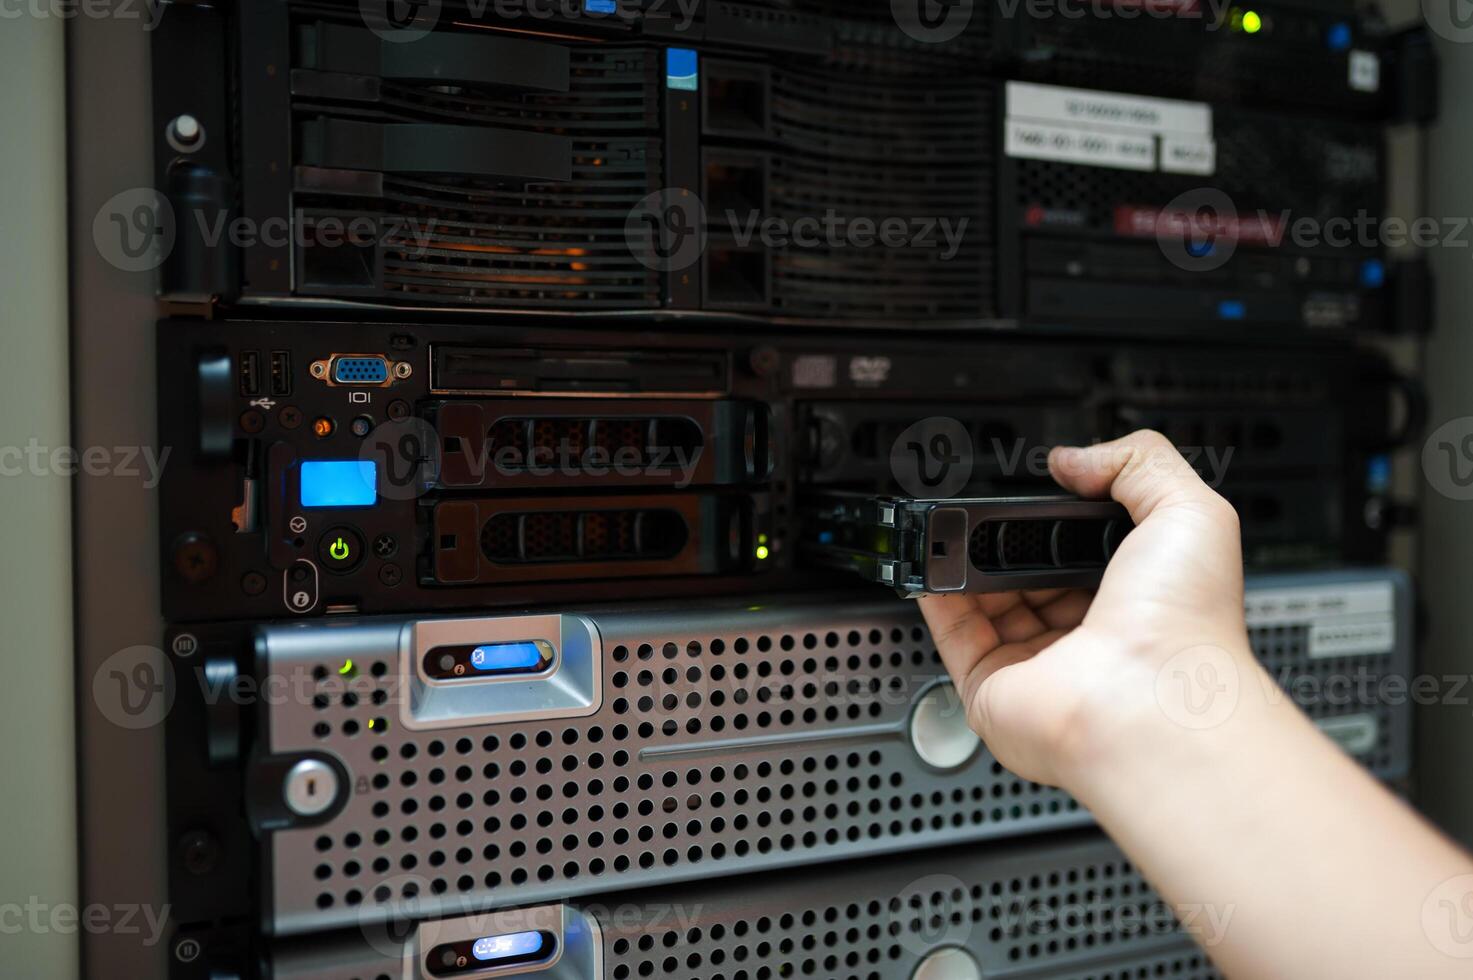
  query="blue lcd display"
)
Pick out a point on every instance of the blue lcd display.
point(339, 483)
point(512, 945)
point(682, 69)
point(507, 656)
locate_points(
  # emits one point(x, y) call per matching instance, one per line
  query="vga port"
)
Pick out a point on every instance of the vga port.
point(360, 369)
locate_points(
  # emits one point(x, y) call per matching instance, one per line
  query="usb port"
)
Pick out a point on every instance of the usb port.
point(250, 372)
point(281, 372)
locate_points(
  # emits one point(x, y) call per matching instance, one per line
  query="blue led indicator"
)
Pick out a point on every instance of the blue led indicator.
point(1378, 474)
point(1372, 273)
point(1231, 309)
point(339, 483)
point(681, 70)
point(1338, 37)
point(599, 6)
point(507, 656)
point(825, 537)
point(512, 945)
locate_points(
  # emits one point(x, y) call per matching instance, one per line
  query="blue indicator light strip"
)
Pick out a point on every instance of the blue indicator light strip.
point(508, 656)
point(1231, 309)
point(1372, 273)
point(512, 945)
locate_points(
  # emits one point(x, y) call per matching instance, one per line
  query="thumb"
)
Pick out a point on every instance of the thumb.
point(1143, 471)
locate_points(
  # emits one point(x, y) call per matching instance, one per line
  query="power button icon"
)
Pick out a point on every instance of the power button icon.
point(340, 549)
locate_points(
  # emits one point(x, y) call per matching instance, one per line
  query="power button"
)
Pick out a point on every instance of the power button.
point(340, 549)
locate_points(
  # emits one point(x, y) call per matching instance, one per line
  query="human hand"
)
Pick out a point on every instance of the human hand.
point(1049, 676)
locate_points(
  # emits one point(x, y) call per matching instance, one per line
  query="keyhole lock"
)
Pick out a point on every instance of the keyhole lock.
point(311, 787)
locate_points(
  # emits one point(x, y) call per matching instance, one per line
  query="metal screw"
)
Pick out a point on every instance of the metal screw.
point(199, 851)
point(195, 558)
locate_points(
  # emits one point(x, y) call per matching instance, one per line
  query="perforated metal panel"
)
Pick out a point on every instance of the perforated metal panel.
point(1048, 907)
point(1341, 644)
point(730, 738)
point(721, 738)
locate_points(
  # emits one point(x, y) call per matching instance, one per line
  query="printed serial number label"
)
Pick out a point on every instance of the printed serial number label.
point(1103, 129)
point(1078, 144)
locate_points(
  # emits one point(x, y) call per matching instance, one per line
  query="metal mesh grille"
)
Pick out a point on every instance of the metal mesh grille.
point(1059, 907)
point(893, 152)
point(729, 740)
point(479, 241)
point(565, 536)
point(1332, 687)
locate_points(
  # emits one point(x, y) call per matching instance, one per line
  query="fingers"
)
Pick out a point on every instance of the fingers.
point(962, 631)
point(1065, 611)
point(1143, 471)
point(1007, 655)
point(977, 635)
